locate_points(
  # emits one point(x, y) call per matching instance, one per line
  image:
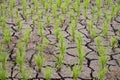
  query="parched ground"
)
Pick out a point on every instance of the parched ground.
point(91, 62)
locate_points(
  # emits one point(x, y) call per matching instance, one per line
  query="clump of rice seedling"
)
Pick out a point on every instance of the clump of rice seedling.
point(93, 33)
point(59, 2)
point(3, 74)
point(73, 29)
point(98, 41)
point(12, 3)
point(62, 48)
point(67, 2)
point(24, 7)
point(7, 36)
point(3, 23)
point(25, 74)
point(54, 10)
point(20, 56)
point(43, 2)
point(76, 7)
point(26, 36)
point(3, 57)
point(50, 3)
point(48, 19)
point(80, 49)
point(48, 73)
point(76, 72)
point(113, 41)
point(117, 10)
point(98, 4)
point(39, 59)
point(105, 29)
point(57, 30)
point(101, 74)
point(86, 4)
point(61, 20)
point(41, 30)
point(36, 5)
point(99, 15)
point(90, 25)
point(46, 6)
point(63, 8)
point(108, 2)
point(112, 12)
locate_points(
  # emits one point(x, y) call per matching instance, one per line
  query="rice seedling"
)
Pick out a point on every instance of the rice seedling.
point(3, 57)
point(48, 73)
point(43, 2)
point(113, 42)
point(62, 45)
point(50, 3)
point(26, 36)
point(67, 2)
point(46, 6)
point(60, 62)
point(59, 2)
point(76, 7)
point(93, 33)
point(112, 12)
point(3, 23)
point(20, 55)
point(63, 8)
point(99, 15)
point(98, 4)
point(80, 49)
point(76, 72)
point(108, 2)
point(7, 36)
point(3, 74)
point(90, 25)
point(25, 73)
point(54, 10)
point(101, 74)
point(48, 19)
point(19, 23)
point(117, 10)
point(78, 1)
point(73, 29)
point(105, 29)
point(41, 30)
point(61, 20)
point(39, 60)
point(24, 7)
point(86, 4)
point(98, 41)
point(36, 5)
point(12, 3)
point(57, 30)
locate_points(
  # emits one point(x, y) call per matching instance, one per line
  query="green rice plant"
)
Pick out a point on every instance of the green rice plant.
point(17, 13)
point(36, 4)
point(3, 74)
point(39, 59)
point(76, 7)
point(73, 29)
point(63, 8)
point(48, 19)
point(105, 29)
point(54, 10)
point(60, 61)
point(57, 30)
point(43, 2)
point(108, 2)
point(62, 45)
point(112, 12)
point(48, 73)
point(93, 33)
point(103, 60)
point(78, 1)
point(113, 42)
point(98, 41)
point(101, 50)
point(24, 7)
point(25, 73)
point(61, 20)
point(3, 23)
point(67, 2)
point(50, 3)
point(19, 23)
point(3, 59)
point(59, 2)
point(98, 4)
point(117, 10)
point(76, 72)
point(7, 36)
point(90, 25)
point(99, 13)
point(71, 15)
point(41, 30)
point(20, 55)
point(101, 74)
point(80, 49)
point(46, 6)
point(26, 36)
point(12, 3)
